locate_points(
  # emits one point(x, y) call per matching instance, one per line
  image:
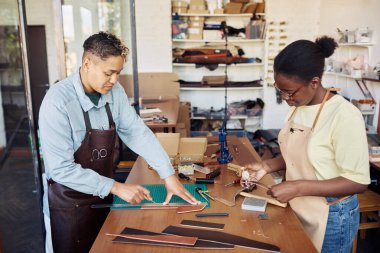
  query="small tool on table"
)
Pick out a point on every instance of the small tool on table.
point(204, 193)
point(213, 174)
point(236, 181)
point(197, 180)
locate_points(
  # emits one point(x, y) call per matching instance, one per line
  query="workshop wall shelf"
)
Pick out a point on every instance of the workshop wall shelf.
point(345, 69)
point(213, 97)
point(220, 88)
point(178, 41)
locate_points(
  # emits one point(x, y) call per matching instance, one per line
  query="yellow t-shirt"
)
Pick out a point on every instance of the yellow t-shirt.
point(338, 145)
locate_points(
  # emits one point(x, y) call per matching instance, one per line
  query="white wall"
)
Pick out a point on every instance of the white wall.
point(153, 25)
point(352, 14)
point(302, 19)
point(309, 19)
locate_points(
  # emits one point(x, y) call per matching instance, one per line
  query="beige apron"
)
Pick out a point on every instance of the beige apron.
point(311, 210)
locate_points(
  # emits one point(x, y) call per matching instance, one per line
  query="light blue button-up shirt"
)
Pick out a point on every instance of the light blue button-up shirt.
point(62, 130)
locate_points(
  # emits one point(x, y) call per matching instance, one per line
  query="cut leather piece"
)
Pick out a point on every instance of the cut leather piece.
point(157, 207)
point(176, 239)
point(222, 237)
point(200, 244)
point(210, 225)
point(191, 208)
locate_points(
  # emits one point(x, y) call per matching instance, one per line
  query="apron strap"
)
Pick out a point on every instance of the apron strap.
point(320, 108)
point(291, 115)
point(86, 120)
point(109, 115)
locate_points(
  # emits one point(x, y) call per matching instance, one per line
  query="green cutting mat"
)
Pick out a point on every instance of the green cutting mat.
point(158, 193)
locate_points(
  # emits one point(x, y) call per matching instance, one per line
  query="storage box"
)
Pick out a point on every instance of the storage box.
point(184, 118)
point(181, 150)
point(197, 5)
point(195, 33)
point(179, 10)
point(213, 80)
point(212, 35)
point(233, 8)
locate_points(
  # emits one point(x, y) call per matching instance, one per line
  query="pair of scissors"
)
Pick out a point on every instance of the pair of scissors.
point(203, 194)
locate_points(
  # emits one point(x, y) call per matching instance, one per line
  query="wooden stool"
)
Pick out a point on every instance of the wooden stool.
point(369, 203)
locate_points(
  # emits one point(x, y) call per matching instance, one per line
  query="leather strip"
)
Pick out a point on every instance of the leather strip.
point(211, 225)
point(191, 208)
point(222, 237)
point(200, 244)
point(176, 239)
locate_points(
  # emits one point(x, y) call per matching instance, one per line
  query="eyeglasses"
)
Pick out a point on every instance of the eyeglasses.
point(286, 95)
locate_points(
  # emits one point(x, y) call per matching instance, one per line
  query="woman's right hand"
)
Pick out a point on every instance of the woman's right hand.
point(131, 193)
point(253, 172)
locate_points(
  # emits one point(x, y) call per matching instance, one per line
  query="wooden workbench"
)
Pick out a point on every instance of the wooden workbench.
point(282, 228)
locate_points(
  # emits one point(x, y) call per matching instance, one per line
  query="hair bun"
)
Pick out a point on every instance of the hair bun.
point(327, 45)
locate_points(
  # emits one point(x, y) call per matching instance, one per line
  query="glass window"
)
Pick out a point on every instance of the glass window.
point(19, 200)
point(84, 18)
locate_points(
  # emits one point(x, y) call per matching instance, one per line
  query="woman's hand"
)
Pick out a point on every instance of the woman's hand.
point(131, 193)
point(173, 186)
point(253, 172)
point(285, 191)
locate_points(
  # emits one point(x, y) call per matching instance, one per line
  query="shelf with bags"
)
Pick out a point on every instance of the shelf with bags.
point(355, 44)
point(219, 88)
point(342, 75)
point(349, 61)
point(221, 65)
point(241, 15)
point(201, 51)
point(237, 40)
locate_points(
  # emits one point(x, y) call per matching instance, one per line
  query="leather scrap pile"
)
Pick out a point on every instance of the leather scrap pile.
point(179, 237)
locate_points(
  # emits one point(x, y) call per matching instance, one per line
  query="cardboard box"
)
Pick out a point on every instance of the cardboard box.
point(152, 84)
point(195, 33)
point(197, 5)
point(156, 90)
point(212, 35)
point(184, 118)
point(195, 24)
point(182, 150)
point(213, 80)
point(219, 11)
point(179, 3)
point(233, 8)
point(179, 10)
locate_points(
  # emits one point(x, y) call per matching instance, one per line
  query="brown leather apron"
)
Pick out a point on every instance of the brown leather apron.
point(74, 224)
point(312, 211)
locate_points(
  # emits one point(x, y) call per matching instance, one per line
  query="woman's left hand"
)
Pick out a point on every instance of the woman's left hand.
point(285, 191)
point(173, 186)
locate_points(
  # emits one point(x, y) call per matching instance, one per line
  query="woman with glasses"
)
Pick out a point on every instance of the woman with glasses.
point(324, 149)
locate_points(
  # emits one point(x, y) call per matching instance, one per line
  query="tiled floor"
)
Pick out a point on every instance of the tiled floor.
point(21, 228)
